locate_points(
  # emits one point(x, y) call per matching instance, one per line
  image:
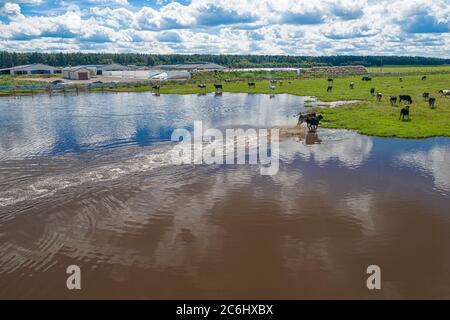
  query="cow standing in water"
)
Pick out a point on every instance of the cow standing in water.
point(312, 120)
point(313, 123)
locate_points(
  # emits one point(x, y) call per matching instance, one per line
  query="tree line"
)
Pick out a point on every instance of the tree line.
point(9, 59)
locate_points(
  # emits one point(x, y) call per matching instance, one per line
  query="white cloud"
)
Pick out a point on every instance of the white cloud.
point(27, 1)
point(110, 2)
point(435, 162)
point(348, 147)
point(301, 27)
point(11, 10)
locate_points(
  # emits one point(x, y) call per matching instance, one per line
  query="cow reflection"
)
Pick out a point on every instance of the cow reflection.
point(312, 138)
point(309, 137)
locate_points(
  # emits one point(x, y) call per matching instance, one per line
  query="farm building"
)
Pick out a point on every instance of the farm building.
point(77, 73)
point(178, 75)
point(170, 75)
point(150, 74)
point(118, 70)
point(36, 68)
point(111, 67)
point(192, 67)
point(137, 74)
point(103, 69)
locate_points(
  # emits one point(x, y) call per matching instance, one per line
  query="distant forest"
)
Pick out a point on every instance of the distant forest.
point(9, 59)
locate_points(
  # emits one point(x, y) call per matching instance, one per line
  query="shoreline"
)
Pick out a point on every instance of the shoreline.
point(356, 108)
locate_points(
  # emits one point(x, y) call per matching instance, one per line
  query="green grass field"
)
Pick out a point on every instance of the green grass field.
point(8, 80)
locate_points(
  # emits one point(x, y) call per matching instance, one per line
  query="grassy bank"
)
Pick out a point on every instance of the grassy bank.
point(381, 119)
point(8, 80)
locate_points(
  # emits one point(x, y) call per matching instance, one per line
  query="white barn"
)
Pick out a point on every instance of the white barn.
point(77, 73)
point(36, 68)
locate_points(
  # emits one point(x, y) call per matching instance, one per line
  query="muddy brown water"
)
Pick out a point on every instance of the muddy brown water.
point(84, 180)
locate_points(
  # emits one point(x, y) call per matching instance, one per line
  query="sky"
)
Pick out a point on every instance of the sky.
point(286, 27)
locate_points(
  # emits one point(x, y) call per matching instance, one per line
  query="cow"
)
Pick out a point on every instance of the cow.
point(379, 96)
point(425, 95)
point(218, 86)
point(305, 117)
point(404, 113)
point(272, 87)
point(273, 81)
point(352, 85)
point(431, 102)
point(366, 79)
point(400, 79)
point(444, 92)
point(156, 87)
point(330, 88)
point(313, 122)
point(393, 100)
point(330, 79)
point(372, 91)
point(202, 86)
point(302, 117)
point(251, 84)
point(280, 82)
point(405, 98)
point(424, 78)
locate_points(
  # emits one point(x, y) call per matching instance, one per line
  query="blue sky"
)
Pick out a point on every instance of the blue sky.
point(294, 27)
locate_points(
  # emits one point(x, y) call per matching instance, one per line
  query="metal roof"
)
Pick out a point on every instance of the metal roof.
point(73, 69)
point(192, 66)
point(30, 67)
point(113, 67)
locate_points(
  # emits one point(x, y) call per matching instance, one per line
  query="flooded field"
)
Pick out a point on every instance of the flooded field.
point(85, 180)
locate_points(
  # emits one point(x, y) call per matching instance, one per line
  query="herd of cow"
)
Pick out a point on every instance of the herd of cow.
point(393, 99)
point(313, 120)
point(218, 87)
